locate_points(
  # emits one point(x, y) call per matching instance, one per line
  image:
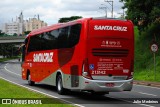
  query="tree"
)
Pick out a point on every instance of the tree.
point(26, 32)
point(15, 34)
point(142, 12)
point(8, 50)
point(67, 19)
point(1, 33)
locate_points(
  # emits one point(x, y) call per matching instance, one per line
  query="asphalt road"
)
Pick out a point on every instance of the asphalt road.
point(11, 71)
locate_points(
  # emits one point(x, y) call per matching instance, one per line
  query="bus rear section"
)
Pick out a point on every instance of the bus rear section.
point(108, 66)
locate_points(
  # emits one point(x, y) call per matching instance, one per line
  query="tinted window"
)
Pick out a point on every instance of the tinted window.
point(51, 40)
point(63, 37)
point(36, 43)
point(74, 34)
point(66, 37)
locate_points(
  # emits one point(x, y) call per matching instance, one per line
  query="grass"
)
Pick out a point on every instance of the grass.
point(147, 75)
point(8, 90)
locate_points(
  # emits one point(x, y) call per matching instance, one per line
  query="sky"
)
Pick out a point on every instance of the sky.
point(51, 10)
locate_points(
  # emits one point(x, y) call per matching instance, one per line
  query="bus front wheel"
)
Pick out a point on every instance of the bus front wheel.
point(59, 85)
point(30, 82)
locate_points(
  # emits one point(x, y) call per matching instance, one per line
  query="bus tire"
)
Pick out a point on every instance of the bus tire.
point(30, 82)
point(59, 85)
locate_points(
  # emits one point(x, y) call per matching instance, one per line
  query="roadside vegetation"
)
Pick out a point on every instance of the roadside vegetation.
point(147, 31)
point(144, 62)
point(6, 59)
point(8, 90)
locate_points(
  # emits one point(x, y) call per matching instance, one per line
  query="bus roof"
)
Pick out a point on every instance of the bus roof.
point(59, 25)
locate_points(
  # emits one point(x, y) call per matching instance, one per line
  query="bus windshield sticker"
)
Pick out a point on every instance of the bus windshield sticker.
point(91, 66)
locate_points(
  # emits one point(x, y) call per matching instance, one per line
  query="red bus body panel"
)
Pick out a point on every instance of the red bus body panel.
point(110, 47)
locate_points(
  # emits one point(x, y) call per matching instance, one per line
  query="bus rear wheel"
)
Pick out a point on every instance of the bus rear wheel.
point(59, 85)
point(30, 82)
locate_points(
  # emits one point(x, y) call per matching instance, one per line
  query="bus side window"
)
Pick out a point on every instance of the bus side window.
point(74, 35)
point(63, 38)
point(44, 41)
point(35, 43)
point(52, 39)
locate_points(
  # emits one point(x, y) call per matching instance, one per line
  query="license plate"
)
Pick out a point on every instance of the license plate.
point(110, 84)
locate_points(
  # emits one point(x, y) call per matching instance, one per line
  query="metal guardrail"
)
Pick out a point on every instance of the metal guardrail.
point(12, 37)
point(147, 83)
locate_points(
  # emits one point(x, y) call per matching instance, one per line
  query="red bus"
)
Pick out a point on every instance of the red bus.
point(90, 54)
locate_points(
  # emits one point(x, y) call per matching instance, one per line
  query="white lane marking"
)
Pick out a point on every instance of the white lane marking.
point(147, 86)
point(146, 93)
point(37, 90)
point(147, 105)
point(10, 71)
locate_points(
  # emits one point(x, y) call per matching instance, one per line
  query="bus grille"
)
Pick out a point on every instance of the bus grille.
point(110, 52)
